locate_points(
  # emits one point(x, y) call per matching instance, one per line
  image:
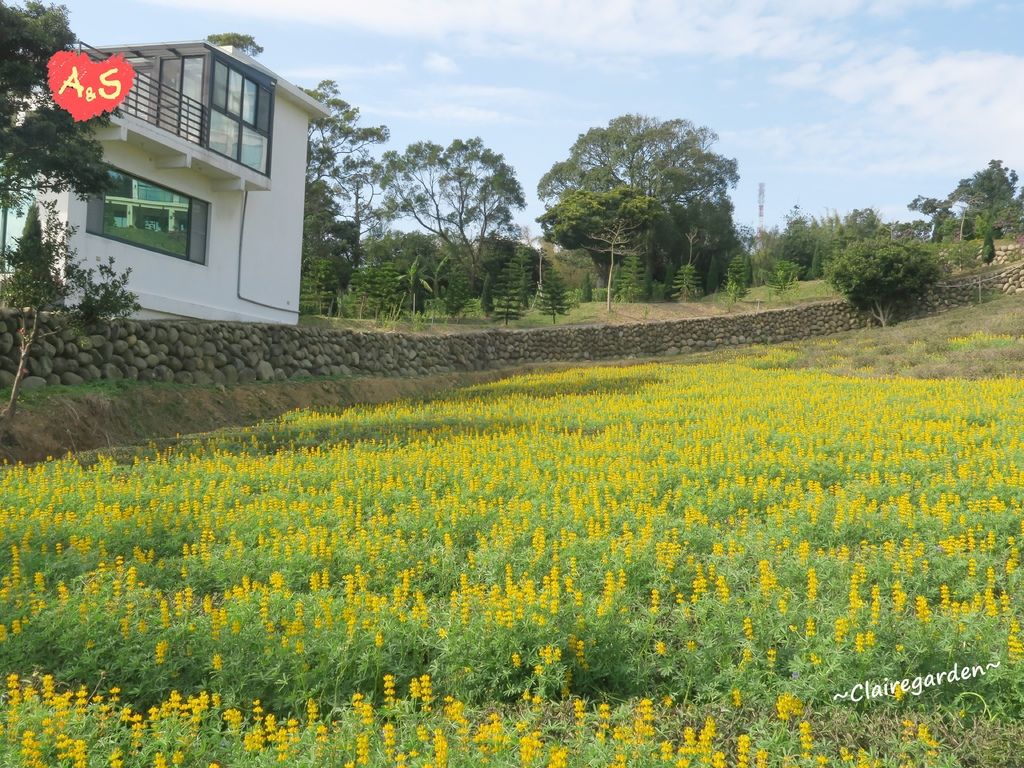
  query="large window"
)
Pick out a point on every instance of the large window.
point(241, 116)
point(148, 215)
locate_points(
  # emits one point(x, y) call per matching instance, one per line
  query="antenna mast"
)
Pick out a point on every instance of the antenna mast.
point(760, 210)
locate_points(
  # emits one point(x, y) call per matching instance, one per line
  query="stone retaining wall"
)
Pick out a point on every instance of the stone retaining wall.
point(221, 352)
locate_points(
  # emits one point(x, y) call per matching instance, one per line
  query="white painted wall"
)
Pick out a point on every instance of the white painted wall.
point(271, 242)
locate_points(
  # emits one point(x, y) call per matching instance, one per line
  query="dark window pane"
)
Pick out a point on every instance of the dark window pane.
point(224, 135)
point(170, 74)
point(249, 102)
point(234, 92)
point(197, 237)
point(263, 111)
point(220, 85)
point(142, 213)
point(192, 78)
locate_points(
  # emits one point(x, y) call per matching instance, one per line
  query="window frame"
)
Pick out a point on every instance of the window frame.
point(264, 90)
point(101, 200)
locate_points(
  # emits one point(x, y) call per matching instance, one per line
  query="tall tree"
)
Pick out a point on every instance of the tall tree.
point(464, 194)
point(670, 161)
point(42, 148)
point(245, 43)
point(606, 224)
point(552, 299)
point(507, 296)
point(341, 173)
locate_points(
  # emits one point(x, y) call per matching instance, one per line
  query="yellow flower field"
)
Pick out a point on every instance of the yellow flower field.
point(653, 566)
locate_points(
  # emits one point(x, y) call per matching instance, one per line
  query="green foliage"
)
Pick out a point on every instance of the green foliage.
point(487, 295)
point(552, 299)
point(817, 269)
point(880, 275)
point(380, 289)
point(507, 297)
point(988, 249)
point(42, 148)
point(464, 193)
point(736, 279)
point(714, 278)
point(990, 194)
point(587, 288)
point(783, 278)
point(245, 43)
point(456, 293)
point(686, 284)
point(630, 284)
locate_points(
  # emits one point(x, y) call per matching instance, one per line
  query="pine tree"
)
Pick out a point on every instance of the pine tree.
point(507, 291)
point(686, 284)
point(988, 249)
point(456, 295)
point(630, 282)
point(552, 299)
point(736, 279)
point(587, 289)
point(487, 295)
point(783, 277)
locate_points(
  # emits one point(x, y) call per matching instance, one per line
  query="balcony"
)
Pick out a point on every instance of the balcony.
point(160, 116)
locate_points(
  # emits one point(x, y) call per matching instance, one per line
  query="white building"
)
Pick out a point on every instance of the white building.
point(208, 157)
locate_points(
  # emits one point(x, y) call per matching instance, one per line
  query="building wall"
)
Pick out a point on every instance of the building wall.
point(270, 244)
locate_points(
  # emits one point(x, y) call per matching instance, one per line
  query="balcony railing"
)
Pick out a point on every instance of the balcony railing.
point(150, 100)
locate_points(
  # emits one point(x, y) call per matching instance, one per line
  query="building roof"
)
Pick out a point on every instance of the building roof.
point(290, 91)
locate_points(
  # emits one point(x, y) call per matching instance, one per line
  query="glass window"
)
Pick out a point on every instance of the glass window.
point(263, 111)
point(148, 215)
point(192, 78)
point(254, 149)
point(249, 102)
point(234, 92)
point(220, 85)
point(224, 134)
point(170, 74)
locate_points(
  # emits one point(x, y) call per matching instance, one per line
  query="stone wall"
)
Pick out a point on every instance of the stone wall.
point(220, 352)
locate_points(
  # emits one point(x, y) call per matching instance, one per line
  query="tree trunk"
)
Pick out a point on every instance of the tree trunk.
point(28, 338)
point(611, 268)
point(881, 312)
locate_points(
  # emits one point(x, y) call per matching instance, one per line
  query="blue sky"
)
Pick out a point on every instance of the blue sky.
point(833, 104)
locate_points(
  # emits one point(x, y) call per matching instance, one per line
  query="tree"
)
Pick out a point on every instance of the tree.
point(671, 162)
point(605, 224)
point(245, 43)
point(342, 177)
point(989, 194)
point(508, 291)
point(736, 279)
point(42, 148)
point(988, 249)
point(631, 282)
point(783, 278)
point(714, 278)
point(686, 284)
point(464, 194)
point(879, 275)
point(46, 276)
point(487, 295)
point(552, 299)
point(456, 293)
point(587, 288)
point(382, 287)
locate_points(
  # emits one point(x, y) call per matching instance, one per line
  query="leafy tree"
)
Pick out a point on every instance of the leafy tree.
point(245, 43)
point(552, 298)
point(42, 148)
point(605, 224)
point(342, 176)
point(686, 284)
point(464, 194)
point(47, 276)
point(736, 279)
point(817, 263)
point(783, 278)
point(671, 162)
point(714, 278)
point(990, 194)
point(879, 275)
point(508, 291)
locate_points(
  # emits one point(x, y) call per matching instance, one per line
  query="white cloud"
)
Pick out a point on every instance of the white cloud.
point(441, 64)
point(466, 104)
point(343, 72)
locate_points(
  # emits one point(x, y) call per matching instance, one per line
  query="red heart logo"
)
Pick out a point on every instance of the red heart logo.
point(88, 88)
